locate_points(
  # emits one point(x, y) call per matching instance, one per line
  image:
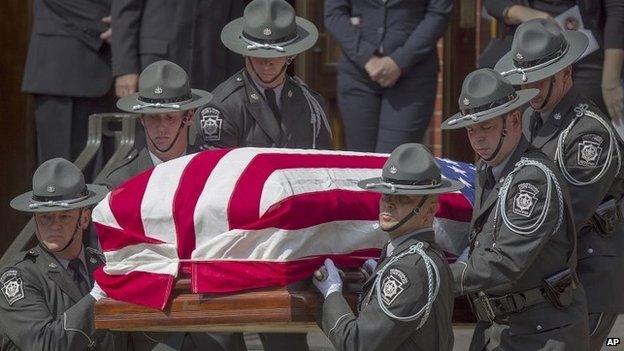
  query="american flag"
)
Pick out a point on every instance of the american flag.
point(249, 218)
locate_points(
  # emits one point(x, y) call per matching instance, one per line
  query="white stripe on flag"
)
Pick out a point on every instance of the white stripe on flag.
point(102, 213)
point(157, 204)
point(150, 258)
point(288, 182)
point(273, 244)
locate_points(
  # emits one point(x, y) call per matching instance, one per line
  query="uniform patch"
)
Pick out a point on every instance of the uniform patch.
point(12, 288)
point(393, 285)
point(589, 150)
point(211, 122)
point(525, 200)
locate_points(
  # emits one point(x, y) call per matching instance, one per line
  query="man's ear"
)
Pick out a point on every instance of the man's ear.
point(86, 218)
point(189, 116)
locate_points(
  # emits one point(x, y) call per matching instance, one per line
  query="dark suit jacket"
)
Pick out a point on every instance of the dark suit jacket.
point(186, 32)
point(66, 55)
point(52, 314)
point(408, 30)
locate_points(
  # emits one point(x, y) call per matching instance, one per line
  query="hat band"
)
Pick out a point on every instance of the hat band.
point(58, 201)
point(174, 103)
point(476, 113)
point(254, 43)
point(534, 65)
point(394, 184)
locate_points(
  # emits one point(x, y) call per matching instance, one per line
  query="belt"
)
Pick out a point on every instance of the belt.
point(489, 308)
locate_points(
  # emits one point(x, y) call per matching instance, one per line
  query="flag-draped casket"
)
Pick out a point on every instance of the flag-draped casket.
point(248, 218)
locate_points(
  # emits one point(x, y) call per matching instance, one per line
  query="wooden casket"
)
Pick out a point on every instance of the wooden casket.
point(284, 309)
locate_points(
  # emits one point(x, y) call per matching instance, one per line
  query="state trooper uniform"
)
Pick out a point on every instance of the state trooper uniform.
point(42, 306)
point(583, 144)
point(242, 113)
point(163, 87)
point(407, 303)
point(519, 274)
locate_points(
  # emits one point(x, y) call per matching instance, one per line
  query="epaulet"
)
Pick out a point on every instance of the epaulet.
point(227, 88)
point(94, 252)
point(21, 256)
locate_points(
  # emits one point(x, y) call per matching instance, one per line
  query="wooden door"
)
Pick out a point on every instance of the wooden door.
point(17, 131)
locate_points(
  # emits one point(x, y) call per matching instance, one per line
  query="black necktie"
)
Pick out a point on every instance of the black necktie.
point(74, 269)
point(270, 97)
point(538, 122)
point(488, 182)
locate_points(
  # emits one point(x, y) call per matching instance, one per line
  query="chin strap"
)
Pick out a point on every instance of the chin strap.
point(500, 141)
point(73, 234)
point(409, 216)
point(253, 68)
point(182, 123)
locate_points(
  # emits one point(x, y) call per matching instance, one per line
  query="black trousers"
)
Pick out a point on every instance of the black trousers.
point(379, 119)
point(62, 126)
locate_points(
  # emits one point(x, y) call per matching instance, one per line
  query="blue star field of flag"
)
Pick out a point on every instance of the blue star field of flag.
point(460, 171)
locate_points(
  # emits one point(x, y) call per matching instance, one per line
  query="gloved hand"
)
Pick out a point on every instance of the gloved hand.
point(369, 266)
point(330, 284)
point(97, 292)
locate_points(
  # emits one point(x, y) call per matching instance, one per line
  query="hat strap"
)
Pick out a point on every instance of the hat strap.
point(174, 103)
point(277, 45)
point(510, 99)
point(55, 201)
point(393, 185)
point(535, 65)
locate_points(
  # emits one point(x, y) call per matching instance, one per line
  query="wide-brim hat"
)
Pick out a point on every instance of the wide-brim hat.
point(486, 94)
point(269, 29)
point(58, 185)
point(164, 87)
point(539, 50)
point(411, 169)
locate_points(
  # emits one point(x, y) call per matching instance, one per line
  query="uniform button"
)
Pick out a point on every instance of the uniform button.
point(380, 30)
point(238, 79)
point(590, 251)
point(539, 327)
point(476, 243)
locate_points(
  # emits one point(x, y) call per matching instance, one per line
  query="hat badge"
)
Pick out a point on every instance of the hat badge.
point(50, 189)
point(267, 31)
point(393, 170)
point(519, 56)
point(158, 90)
point(466, 101)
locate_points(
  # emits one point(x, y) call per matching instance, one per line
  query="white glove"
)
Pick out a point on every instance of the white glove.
point(370, 265)
point(332, 283)
point(97, 292)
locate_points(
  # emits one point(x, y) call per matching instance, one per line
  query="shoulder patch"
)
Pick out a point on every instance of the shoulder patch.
point(525, 200)
point(589, 150)
point(12, 287)
point(210, 123)
point(393, 285)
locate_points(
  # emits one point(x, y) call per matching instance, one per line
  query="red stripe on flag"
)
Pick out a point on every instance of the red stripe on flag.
point(141, 288)
point(244, 204)
point(191, 184)
point(333, 205)
point(231, 276)
point(125, 202)
point(454, 206)
point(112, 239)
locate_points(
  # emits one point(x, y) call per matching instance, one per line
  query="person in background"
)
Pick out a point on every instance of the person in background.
point(388, 71)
